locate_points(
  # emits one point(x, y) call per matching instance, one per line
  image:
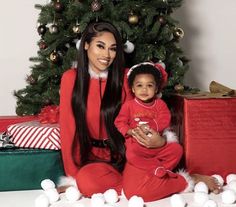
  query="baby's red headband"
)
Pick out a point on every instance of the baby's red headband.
point(164, 75)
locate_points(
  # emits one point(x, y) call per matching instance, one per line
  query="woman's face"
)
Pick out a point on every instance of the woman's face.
point(101, 51)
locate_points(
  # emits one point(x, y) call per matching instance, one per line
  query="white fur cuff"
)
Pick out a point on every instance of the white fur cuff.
point(189, 180)
point(170, 136)
point(67, 181)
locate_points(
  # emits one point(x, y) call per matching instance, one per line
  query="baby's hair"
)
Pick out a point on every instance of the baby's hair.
point(145, 69)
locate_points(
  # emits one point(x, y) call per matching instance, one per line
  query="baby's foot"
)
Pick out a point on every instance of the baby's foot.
point(211, 182)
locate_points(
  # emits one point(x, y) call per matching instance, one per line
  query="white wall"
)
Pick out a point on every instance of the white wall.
point(209, 42)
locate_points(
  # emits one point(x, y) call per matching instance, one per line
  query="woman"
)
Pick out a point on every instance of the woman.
point(92, 148)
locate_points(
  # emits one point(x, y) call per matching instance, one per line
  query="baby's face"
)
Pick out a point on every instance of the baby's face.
point(144, 87)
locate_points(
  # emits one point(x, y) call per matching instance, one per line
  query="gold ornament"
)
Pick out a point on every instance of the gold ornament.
point(179, 88)
point(53, 29)
point(133, 18)
point(54, 57)
point(76, 29)
point(179, 32)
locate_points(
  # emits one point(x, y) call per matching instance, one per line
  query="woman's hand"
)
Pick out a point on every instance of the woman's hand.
point(149, 140)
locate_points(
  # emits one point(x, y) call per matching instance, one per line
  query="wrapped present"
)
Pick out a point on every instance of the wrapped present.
point(33, 134)
point(5, 121)
point(24, 169)
point(206, 126)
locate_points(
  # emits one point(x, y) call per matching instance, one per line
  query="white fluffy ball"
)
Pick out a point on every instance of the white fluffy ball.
point(135, 201)
point(228, 197)
point(72, 194)
point(177, 200)
point(47, 184)
point(52, 195)
point(128, 47)
point(111, 196)
point(210, 203)
point(97, 200)
point(41, 201)
point(230, 178)
point(201, 187)
point(232, 185)
point(200, 197)
point(219, 179)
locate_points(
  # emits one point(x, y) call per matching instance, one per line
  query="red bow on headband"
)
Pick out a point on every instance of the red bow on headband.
point(163, 74)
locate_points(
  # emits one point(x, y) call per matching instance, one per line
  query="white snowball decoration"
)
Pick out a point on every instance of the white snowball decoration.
point(72, 194)
point(230, 178)
point(41, 201)
point(135, 201)
point(210, 203)
point(97, 200)
point(177, 200)
point(219, 179)
point(47, 184)
point(201, 187)
point(200, 197)
point(52, 195)
point(228, 197)
point(232, 185)
point(128, 47)
point(78, 44)
point(111, 196)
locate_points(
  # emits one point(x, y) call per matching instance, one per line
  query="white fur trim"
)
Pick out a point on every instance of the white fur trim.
point(170, 136)
point(102, 74)
point(67, 181)
point(188, 179)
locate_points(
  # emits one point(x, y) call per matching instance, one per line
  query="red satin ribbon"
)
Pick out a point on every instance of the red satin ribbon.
point(49, 114)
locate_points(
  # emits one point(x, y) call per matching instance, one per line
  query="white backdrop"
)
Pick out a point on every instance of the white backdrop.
point(209, 43)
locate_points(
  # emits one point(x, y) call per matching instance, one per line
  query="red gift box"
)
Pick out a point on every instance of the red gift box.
point(207, 130)
point(5, 121)
point(35, 135)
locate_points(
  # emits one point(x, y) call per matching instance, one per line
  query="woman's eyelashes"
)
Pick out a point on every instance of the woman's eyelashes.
point(101, 46)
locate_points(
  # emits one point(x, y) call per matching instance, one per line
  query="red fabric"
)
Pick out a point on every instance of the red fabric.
point(133, 111)
point(5, 121)
point(67, 123)
point(157, 117)
point(97, 178)
point(208, 131)
point(150, 186)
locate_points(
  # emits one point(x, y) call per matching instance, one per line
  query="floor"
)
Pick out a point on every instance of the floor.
point(27, 198)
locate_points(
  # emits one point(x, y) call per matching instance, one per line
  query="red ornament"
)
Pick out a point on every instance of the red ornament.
point(58, 6)
point(42, 45)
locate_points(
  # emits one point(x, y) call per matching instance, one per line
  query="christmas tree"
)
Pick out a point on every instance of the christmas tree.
point(146, 26)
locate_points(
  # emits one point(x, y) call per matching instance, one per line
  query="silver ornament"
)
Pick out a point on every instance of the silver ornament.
point(129, 47)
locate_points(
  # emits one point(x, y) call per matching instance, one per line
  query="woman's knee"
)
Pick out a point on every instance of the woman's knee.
point(97, 178)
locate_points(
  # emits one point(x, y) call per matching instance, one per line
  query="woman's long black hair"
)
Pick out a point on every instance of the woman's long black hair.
point(111, 100)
